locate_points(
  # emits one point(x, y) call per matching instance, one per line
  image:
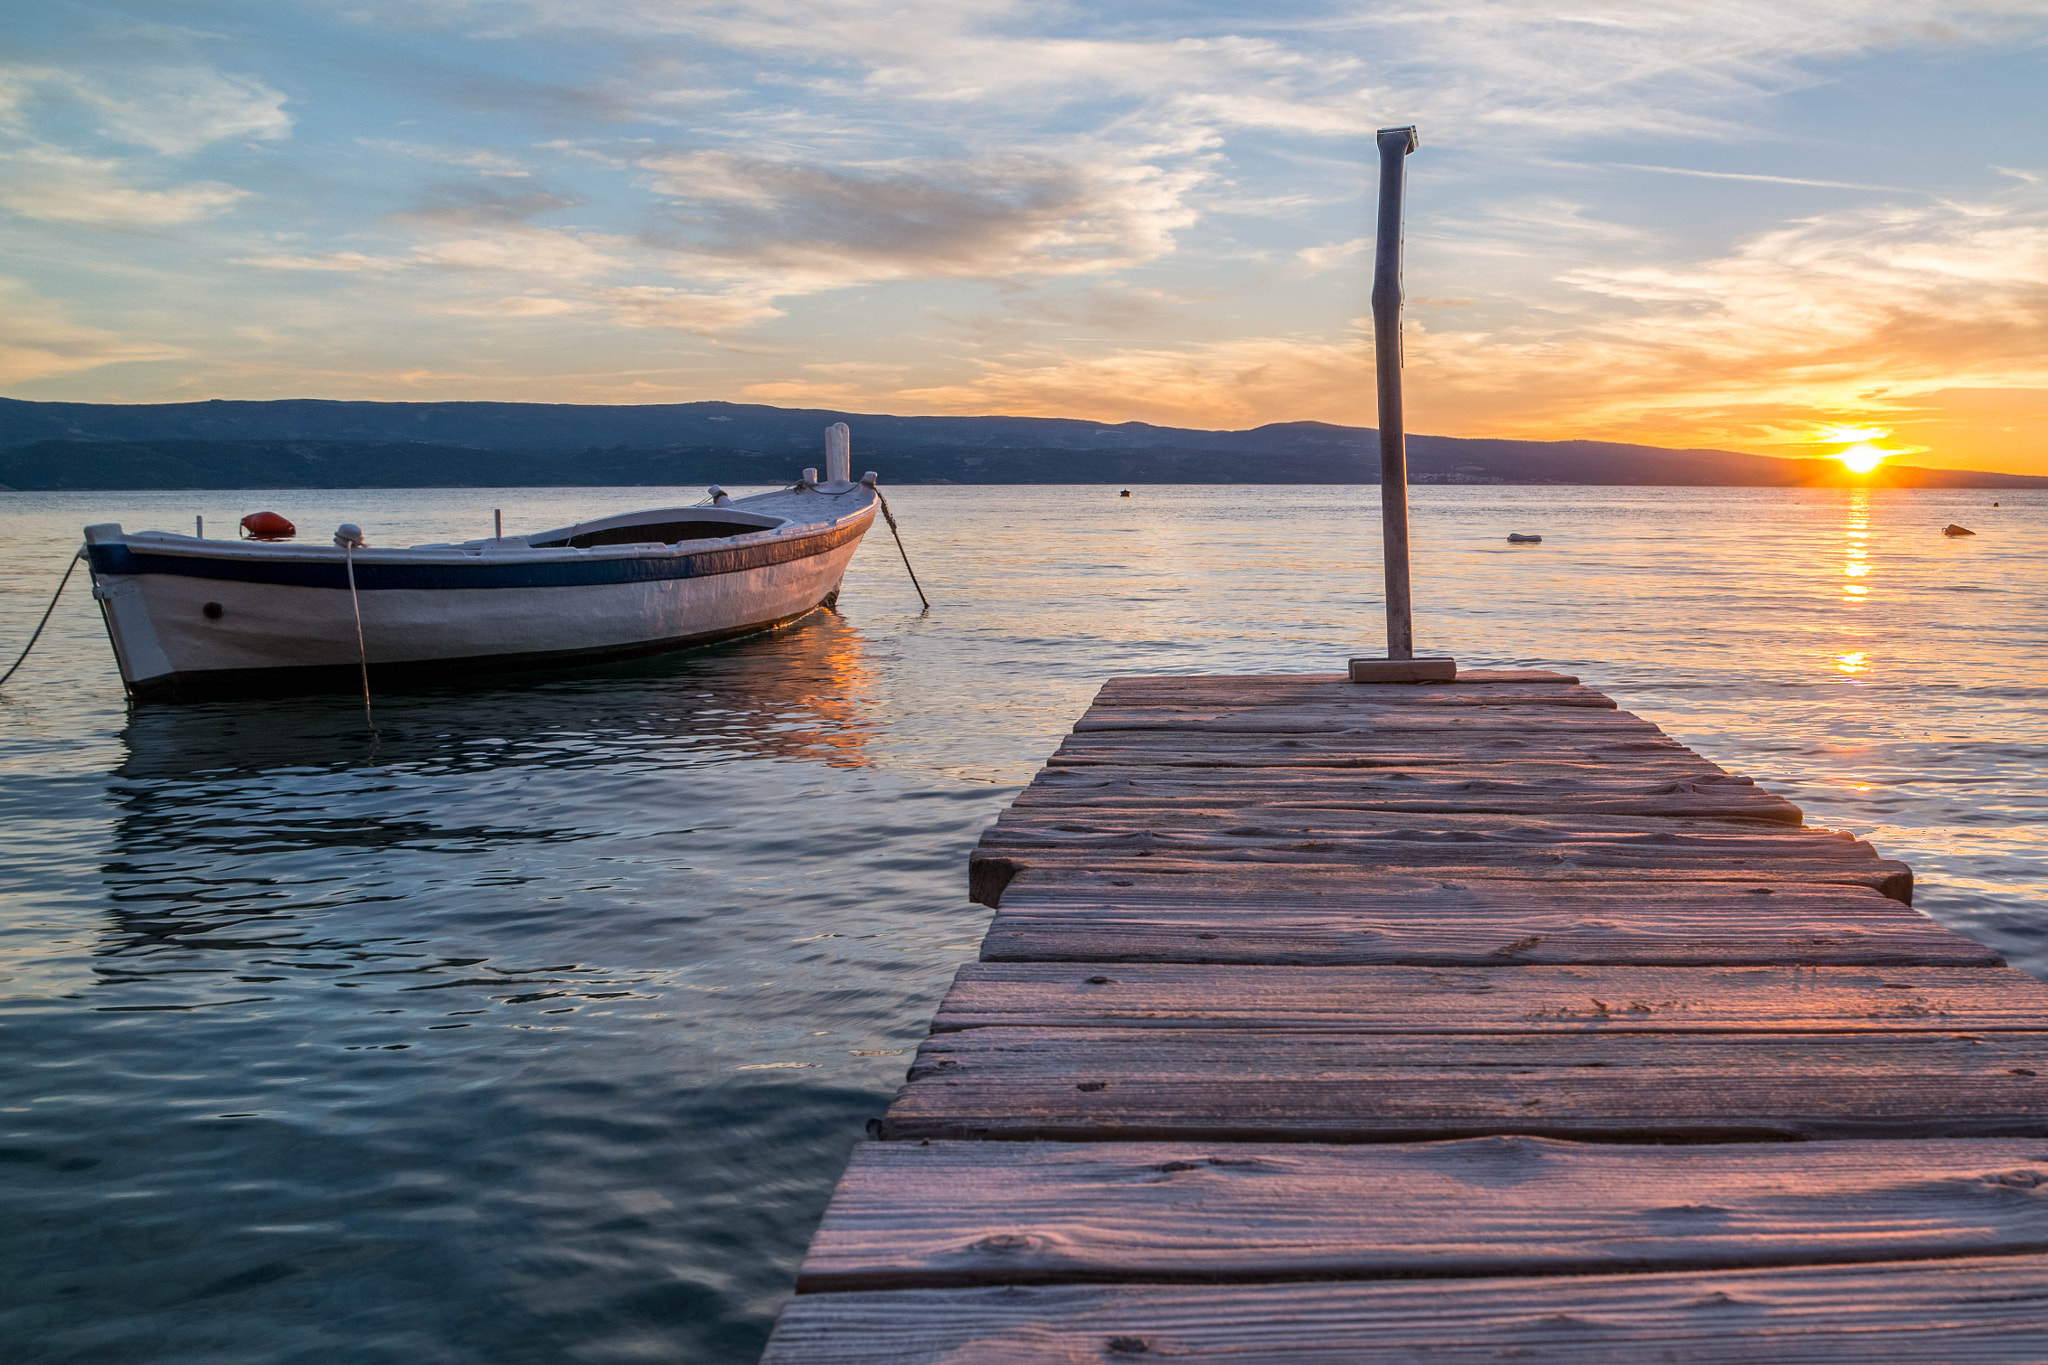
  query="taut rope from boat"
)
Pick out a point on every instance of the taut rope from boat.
point(890, 517)
point(37, 634)
point(348, 537)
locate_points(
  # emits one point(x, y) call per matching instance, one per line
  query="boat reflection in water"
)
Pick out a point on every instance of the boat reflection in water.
point(800, 694)
point(249, 824)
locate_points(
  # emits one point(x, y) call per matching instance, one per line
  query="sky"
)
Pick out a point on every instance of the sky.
point(1781, 226)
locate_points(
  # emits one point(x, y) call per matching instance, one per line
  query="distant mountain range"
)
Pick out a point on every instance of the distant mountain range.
point(315, 443)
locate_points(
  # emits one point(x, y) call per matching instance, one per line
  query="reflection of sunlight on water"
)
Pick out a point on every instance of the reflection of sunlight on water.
point(844, 701)
point(1859, 662)
point(1856, 552)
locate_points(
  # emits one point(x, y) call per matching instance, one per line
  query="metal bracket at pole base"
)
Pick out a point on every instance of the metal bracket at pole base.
point(1404, 670)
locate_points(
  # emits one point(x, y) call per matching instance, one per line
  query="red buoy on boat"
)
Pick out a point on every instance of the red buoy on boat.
point(267, 526)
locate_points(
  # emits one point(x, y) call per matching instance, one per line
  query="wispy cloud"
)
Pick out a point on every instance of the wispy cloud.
point(480, 159)
point(1317, 259)
point(463, 204)
point(61, 187)
point(171, 110)
point(1757, 179)
point(703, 314)
point(1002, 216)
point(38, 341)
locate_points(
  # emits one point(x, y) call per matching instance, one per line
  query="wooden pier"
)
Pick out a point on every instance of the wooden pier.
point(1334, 1022)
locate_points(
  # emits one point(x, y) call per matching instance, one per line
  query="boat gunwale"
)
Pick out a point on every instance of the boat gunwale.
point(510, 548)
point(117, 556)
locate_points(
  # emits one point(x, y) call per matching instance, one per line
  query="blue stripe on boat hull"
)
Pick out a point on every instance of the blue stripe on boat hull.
point(122, 558)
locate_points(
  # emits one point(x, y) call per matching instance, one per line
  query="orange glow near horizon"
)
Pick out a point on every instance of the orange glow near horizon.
point(1863, 457)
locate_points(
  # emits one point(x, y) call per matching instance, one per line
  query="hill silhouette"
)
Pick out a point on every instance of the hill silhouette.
point(318, 443)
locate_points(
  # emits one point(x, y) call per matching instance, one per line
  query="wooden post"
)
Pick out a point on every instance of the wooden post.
point(1400, 665)
point(1395, 145)
point(838, 453)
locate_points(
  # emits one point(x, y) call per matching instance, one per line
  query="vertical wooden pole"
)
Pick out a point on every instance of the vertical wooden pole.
point(1395, 145)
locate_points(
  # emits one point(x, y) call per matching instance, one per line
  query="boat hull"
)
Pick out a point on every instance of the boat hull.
point(186, 623)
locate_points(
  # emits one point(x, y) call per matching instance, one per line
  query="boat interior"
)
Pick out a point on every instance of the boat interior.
point(661, 526)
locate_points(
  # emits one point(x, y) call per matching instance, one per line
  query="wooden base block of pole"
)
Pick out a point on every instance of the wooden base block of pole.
point(1404, 670)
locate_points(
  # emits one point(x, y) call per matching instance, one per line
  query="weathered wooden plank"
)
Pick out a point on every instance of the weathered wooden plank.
point(1425, 728)
point(1365, 718)
point(1423, 919)
point(1259, 888)
point(1279, 780)
point(1704, 802)
point(1214, 825)
point(1387, 694)
point(1524, 850)
point(1569, 779)
point(1431, 728)
point(1528, 789)
point(1217, 819)
point(1235, 1058)
point(1424, 731)
point(1375, 750)
point(1673, 853)
point(1246, 1084)
point(949, 1214)
point(1267, 682)
point(1304, 881)
point(1536, 939)
point(1507, 999)
point(989, 874)
point(1717, 927)
point(1310, 689)
point(1337, 752)
point(1990, 1310)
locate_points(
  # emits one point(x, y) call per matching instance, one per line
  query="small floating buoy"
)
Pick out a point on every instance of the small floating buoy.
point(1125, 494)
point(1994, 504)
point(1517, 538)
point(267, 526)
point(1954, 530)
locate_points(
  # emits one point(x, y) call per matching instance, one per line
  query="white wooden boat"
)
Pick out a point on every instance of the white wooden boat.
point(191, 617)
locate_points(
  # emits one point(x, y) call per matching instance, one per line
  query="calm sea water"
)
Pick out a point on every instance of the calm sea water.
point(537, 1029)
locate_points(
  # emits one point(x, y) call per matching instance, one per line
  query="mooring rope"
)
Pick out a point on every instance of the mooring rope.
point(891, 519)
point(38, 633)
point(348, 551)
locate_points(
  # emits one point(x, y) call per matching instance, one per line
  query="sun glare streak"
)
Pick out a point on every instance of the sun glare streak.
point(1856, 551)
point(1863, 457)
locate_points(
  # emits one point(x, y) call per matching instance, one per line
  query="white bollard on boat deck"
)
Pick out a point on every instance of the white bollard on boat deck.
point(838, 453)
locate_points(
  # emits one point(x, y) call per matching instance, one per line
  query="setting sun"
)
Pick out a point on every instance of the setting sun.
point(1863, 457)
